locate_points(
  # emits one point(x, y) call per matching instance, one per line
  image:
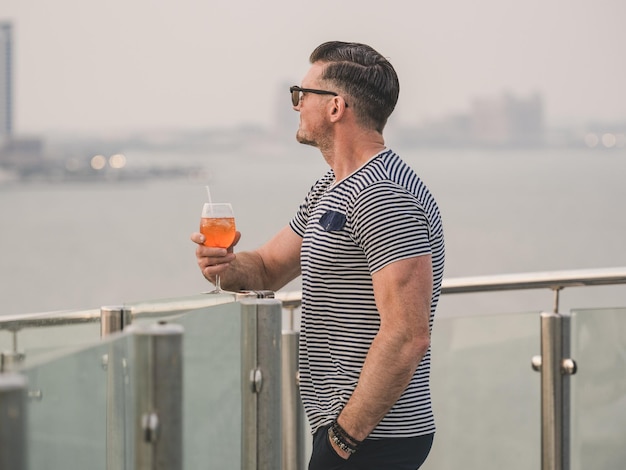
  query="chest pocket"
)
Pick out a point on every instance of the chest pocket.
point(332, 221)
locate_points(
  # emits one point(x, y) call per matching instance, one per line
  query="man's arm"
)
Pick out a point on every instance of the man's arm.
point(403, 293)
point(270, 267)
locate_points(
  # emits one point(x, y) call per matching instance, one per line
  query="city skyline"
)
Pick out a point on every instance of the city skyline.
point(504, 120)
point(124, 67)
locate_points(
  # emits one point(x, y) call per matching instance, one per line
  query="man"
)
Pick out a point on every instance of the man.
point(368, 242)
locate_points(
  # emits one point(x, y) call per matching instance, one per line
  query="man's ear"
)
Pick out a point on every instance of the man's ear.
point(338, 109)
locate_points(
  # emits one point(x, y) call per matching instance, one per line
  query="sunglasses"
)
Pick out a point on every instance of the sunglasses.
point(296, 93)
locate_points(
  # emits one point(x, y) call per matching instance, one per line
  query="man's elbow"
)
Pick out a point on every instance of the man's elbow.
point(415, 348)
point(421, 345)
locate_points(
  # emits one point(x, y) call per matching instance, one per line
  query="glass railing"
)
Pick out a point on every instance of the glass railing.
point(485, 394)
point(92, 406)
point(24, 338)
point(67, 412)
point(212, 387)
point(86, 395)
point(598, 389)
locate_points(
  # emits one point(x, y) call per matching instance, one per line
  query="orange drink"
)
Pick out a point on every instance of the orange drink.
point(218, 231)
point(217, 224)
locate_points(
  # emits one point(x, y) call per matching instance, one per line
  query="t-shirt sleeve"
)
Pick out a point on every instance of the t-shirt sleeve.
point(390, 225)
point(300, 219)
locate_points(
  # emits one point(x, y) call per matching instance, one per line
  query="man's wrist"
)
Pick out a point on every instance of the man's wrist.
point(350, 428)
point(337, 446)
point(341, 440)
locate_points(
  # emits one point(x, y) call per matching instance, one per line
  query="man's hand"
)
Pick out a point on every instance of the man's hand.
point(213, 260)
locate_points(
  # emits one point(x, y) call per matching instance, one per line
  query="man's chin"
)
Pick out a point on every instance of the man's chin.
point(303, 140)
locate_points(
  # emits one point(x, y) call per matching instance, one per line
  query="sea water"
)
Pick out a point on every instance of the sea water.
point(78, 245)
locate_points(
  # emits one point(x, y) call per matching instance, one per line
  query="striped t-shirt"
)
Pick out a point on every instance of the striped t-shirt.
point(379, 214)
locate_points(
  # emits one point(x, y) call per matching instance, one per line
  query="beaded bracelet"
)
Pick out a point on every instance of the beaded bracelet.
point(338, 429)
point(342, 439)
point(340, 443)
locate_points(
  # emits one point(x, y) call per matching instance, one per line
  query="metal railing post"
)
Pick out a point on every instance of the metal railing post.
point(555, 366)
point(293, 411)
point(158, 375)
point(261, 384)
point(114, 319)
point(13, 443)
point(10, 360)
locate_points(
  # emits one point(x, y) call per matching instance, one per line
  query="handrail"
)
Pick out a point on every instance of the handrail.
point(152, 309)
point(554, 280)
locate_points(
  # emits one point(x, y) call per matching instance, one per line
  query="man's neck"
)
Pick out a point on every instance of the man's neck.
point(348, 155)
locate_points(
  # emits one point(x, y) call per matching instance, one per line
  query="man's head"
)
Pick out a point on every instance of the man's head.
point(366, 79)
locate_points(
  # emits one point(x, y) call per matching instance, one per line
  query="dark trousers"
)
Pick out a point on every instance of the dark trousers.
point(407, 453)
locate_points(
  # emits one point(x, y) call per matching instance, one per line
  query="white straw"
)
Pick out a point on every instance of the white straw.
point(208, 192)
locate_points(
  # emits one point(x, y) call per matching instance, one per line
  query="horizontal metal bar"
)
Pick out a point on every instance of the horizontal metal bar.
point(554, 280)
point(151, 309)
point(549, 280)
point(57, 318)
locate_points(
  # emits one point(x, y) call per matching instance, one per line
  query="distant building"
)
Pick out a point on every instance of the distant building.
point(6, 80)
point(15, 151)
point(20, 152)
point(494, 121)
point(508, 120)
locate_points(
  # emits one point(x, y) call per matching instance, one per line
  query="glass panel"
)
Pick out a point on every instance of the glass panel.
point(212, 387)
point(486, 396)
point(147, 312)
point(37, 342)
point(76, 392)
point(598, 389)
point(67, 414)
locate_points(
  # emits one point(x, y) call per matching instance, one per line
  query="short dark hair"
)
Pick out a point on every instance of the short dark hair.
point(366, 77)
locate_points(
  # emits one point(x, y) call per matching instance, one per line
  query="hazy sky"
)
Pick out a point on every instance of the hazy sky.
point(124, 65)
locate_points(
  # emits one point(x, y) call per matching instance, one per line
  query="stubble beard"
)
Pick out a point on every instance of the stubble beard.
point(320, 137)
point(303, 139)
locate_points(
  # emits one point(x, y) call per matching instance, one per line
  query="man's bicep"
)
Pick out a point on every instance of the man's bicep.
point(403, 291)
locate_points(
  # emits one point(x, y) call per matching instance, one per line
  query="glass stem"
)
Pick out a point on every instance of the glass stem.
point(218, 287)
